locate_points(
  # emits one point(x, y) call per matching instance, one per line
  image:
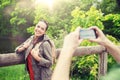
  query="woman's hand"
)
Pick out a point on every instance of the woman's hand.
point(72, 40)
point(34, 53)
point(101, 38)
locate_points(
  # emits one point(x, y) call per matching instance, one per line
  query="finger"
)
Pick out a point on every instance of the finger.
point(77, 29)
point(95, 28)
point(92, 40)
point(80, 41)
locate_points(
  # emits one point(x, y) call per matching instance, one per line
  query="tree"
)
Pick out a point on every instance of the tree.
point(110, 6)
point(112, 25)
point(5, 10)
point(22, 17)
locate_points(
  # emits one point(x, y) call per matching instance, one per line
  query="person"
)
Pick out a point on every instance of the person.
point(71, 42)
point(38, 53)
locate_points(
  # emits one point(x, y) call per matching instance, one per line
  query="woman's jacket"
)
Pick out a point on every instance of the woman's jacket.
point(42, 69)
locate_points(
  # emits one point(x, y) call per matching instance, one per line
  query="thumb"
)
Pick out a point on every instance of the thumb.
point(92, 40)
point(80, 41)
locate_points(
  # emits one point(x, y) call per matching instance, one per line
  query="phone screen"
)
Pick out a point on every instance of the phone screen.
point(87, 34)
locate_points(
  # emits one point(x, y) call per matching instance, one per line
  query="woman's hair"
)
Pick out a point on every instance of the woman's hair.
point(45, 23)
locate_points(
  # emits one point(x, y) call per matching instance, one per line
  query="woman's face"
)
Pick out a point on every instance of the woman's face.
point(40, 29)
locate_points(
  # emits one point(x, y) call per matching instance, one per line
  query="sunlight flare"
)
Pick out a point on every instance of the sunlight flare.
point(49, 3)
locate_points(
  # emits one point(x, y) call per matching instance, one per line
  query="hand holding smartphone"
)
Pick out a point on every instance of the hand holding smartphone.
point(88, 34)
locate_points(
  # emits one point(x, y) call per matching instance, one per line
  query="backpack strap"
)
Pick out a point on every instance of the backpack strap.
point(53, 50)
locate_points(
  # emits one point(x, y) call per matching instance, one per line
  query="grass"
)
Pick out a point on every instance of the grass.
point(16, 72)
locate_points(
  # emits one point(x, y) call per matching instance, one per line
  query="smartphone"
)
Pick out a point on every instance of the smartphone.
point(88, 34)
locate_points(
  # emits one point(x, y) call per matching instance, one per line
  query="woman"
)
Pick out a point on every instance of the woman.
point(38, 53)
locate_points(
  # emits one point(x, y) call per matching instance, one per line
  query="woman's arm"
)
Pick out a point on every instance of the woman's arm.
point(24, 45)
point(113, 50)
point(62, 69)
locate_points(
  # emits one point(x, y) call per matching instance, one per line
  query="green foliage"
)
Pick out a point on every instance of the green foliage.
point(113, 39)
point(4, 3)
point(112, 25)
point(5, 9)
point(86, 19)
point(31, 29)
point(41, 13)
point(109, 6)
point(115, 18)
point(17, 21)
point(16, 72)
point(21, 17)
point(85, 67)
point(85, 4)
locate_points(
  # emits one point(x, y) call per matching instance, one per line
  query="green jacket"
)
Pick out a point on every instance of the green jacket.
point(42, 69)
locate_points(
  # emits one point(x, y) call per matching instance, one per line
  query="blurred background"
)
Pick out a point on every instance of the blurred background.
point(19, 17)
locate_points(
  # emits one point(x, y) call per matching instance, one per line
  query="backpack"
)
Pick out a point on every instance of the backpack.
point(53, 51)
